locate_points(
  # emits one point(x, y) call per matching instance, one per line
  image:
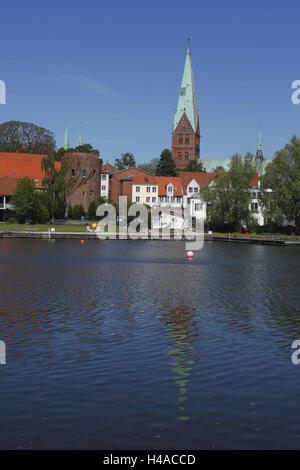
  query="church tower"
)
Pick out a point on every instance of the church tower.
point(259, 157)
point(186, 131)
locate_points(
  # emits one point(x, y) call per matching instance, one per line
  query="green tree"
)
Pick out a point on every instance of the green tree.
point(91, 213)
point(76, 212)
point(54, 184)
point(126, 161)
point(150, 167)
point(195, 166)
point(25, 137)
point(166, 165)
point(29, 204)
point(228, 197)
point(282, 176)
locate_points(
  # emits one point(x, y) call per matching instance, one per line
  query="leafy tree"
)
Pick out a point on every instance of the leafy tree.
point(126, 161)
point(86, 148)
point(150, 167)
point(76, 212)
point(91, 213)
point(228, 197)
point(29, 204)
point(282, 176)
point(166, 165)
point(25, 137)
point(195, 166)
point(55, 185)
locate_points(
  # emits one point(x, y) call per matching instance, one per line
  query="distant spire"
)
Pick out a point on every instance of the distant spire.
point(260, 150)
point(79, 142)
point(67, 142)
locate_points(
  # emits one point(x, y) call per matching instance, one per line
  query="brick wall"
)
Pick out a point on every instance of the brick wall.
point(83, 177)
point(185, 131)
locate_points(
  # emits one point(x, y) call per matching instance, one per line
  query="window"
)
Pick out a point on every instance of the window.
point(170, 189)
point(36, 182)
point(84, 173)
point(179, 156)
point(190, 190)
point(180, 140)
point(154, 199)
point(195, 190)
point(198, 207)
point(154, 189)
point(103, 177)
point(137, 199)
point(187, 140)
point(137, 189)
point(73, 172)
point(147, 199)
point(186, 155)
point(148, 189)
point(91, 194)
point(103, 188)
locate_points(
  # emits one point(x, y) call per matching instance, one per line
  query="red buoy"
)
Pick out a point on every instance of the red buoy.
point(190, 255)
point(82, 242)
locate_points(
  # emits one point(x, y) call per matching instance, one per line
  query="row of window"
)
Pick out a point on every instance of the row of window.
point(193, 189)
point(138, 189)
point(83, 172)
point(148, 199)
point(186, 155)
point(187, 140)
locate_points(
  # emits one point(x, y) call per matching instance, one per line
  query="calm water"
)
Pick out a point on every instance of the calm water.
point(126, 344)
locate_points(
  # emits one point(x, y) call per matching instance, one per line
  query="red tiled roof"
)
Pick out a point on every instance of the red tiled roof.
point(201, 178)
point(19, 165)
point(108, 167)
point(7, 186)
point(131, 173)
point(163, 181)
point(144, 179)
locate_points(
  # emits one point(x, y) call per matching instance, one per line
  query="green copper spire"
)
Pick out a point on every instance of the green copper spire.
point(187, 96)
point(67, 142)
point(79, 141)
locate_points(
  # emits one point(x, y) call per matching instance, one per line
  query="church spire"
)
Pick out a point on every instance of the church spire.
point(79, 141)
point(187, 96)
point(67, 141)
point(260, 150)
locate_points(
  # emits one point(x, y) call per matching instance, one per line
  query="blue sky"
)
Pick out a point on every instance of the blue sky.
point(114, 69)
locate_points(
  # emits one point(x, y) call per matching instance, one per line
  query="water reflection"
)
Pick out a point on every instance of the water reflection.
point(183, 334)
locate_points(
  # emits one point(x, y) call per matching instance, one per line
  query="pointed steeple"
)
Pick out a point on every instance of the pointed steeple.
point(187, 96)
point(79, 141)
point(260, 150)
point(67, 142)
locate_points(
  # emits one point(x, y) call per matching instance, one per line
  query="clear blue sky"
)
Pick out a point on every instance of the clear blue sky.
point(114, 69)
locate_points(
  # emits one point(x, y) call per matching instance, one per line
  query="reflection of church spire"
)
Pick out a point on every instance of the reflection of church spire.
point(181, 335)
